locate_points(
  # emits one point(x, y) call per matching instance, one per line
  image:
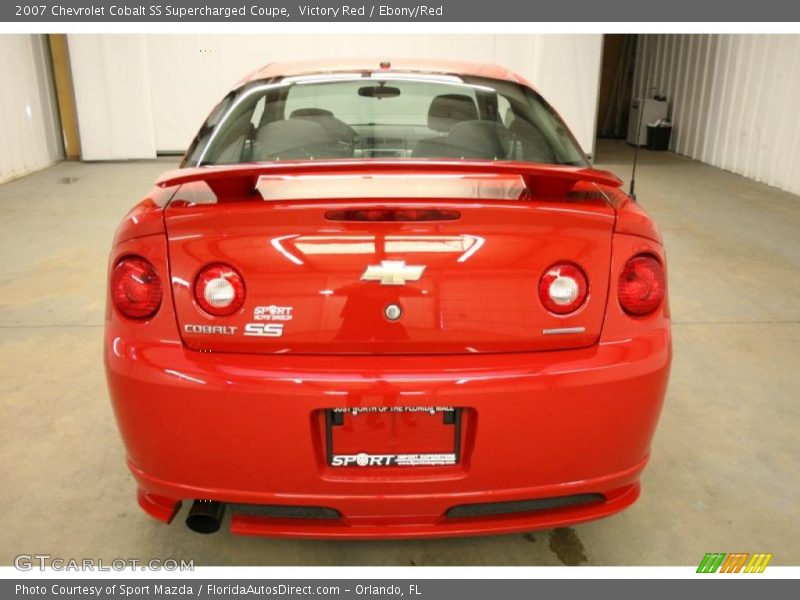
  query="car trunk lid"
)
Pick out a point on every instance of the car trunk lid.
point(325, 252)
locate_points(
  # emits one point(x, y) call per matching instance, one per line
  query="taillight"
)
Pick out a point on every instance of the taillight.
point(219, 290)
point(136, 288)
point(641, 285)
point(563, 288)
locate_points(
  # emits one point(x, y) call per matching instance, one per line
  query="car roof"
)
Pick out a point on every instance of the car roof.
point(396, 65)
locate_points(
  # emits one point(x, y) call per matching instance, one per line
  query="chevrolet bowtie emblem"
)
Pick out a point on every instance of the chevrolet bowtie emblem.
point(393, 272)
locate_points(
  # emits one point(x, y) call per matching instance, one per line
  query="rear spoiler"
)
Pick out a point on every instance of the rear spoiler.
point(541, 180)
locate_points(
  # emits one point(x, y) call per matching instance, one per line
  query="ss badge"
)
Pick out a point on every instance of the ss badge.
point(264, 329)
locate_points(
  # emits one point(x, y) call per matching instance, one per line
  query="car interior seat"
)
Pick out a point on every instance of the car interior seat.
point(291, 139)
point(445, 111)
point(487, 140)
point(340, 136)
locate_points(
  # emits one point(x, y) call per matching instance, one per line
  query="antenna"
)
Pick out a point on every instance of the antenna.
point(642, 100)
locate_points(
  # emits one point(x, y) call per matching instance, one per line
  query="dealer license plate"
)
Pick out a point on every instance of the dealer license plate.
point(396, 436)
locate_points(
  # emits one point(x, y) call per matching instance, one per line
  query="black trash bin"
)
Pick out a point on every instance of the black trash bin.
point(658, 137)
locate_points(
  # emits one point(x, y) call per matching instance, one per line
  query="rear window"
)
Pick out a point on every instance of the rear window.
point(383, 116)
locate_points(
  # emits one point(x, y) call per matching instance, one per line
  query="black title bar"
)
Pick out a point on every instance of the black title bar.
point(95, 11)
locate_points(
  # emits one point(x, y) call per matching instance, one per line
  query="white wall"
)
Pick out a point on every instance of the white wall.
point(733, 100)
point(112, 96)
point(157, 89)
point(30, 135)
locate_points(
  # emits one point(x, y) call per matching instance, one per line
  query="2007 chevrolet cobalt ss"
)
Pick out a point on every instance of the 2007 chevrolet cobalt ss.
point(386, 299)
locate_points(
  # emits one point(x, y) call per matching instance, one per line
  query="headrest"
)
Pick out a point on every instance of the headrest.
point(448, 109)
point(289, 139)
point(310, 112)
point(479, 139)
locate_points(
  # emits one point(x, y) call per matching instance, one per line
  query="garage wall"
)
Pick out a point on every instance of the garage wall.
point(733, 100)
point(138, 95)
point(112, 96)
point(30, 135)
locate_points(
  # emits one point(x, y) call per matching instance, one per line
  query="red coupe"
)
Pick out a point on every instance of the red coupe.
point(386, 300)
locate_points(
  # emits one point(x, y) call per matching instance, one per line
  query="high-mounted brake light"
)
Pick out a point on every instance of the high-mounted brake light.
point(641, 285)
point(563, 288)
point(136, 288)
point(219, 290)
point(376, 215)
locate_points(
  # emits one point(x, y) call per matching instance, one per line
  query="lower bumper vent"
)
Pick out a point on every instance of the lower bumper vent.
point(284, 511)
point(486, 509)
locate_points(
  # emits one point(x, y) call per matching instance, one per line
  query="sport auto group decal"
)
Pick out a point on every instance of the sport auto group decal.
point(365, 459)
point(362, 459)
point(268, 315)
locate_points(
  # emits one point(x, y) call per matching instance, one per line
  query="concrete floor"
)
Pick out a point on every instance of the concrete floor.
point(724, 473)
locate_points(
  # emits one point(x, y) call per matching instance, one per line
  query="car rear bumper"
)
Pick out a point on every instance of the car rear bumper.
point(245, 430)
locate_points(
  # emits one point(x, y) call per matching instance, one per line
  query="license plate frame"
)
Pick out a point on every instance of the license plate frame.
point(451, 417)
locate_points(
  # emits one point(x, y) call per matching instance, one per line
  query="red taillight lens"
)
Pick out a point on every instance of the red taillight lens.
point(136, 288)
point(219, 290)
point(641, 285)
point(563, 288)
